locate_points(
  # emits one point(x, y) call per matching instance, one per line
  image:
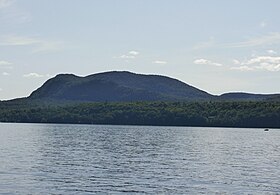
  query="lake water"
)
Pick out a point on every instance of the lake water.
point(96, 159)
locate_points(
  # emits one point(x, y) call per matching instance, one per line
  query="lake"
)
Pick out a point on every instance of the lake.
point(100, 159)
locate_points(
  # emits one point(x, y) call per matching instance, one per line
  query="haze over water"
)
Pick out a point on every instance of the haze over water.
point(89, 159)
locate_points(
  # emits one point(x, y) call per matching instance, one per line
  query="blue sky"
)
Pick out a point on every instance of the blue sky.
point(217, 46)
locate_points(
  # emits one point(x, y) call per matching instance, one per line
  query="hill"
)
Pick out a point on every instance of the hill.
point(117, 87)
point(134, 99)
point(239, 96)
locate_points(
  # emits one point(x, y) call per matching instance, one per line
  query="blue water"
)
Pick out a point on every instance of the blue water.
point(93, 159)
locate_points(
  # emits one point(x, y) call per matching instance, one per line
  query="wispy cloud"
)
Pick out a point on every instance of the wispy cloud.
point(6, 74)
point(269, 39)
point(38, 45)
point(206, 62)
point(235, 61)
point(134, 53)
point(5, 63)
point(49, 46)
point(130, 55)
point(271, 52)
point(12, 40)
point(11, 13)
point(127, 57)
point(1, 89)
point(272, 38)
point(263, 59)
point(267, 63)
point(159, 62)
point(33, 75)
point(205, 44)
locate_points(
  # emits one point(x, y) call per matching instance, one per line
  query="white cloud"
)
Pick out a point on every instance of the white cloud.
point(271, 52)
point(11, 13)
point(235, 61)
point(127, 57)
point(263, 59)
point(33, 75)
point(130, 55)
point(134, 53)
point(12, 40)
point(159, 62)
point(1, 89)
point(269, 39)
point(267, 63)
point(206, 62)
point(6, 74)
point(38, 45)
point(4, 63)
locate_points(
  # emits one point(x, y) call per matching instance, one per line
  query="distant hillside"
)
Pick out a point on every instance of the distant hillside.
point(117, 87)
point(239, 96)
point(126, 98)
point(275, 98)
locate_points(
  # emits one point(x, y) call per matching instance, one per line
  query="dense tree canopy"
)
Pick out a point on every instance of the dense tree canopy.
point(221, 113)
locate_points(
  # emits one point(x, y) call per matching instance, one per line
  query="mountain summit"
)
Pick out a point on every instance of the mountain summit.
point(118, 86)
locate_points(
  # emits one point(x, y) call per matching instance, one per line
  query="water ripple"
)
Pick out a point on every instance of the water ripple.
point(92, 159)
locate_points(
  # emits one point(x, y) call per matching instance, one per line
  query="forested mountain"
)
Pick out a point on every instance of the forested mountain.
point(239, 96)
point(123, 86)
point(134, 99)
point(117, 87)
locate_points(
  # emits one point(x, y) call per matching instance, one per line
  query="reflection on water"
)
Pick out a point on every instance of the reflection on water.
point(88, 159)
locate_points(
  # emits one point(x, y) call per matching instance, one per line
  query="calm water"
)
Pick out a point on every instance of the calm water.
point(92, 159)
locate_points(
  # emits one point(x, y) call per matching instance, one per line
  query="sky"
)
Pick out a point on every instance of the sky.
point(217, 46)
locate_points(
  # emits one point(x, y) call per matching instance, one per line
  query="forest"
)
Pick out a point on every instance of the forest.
point(262, 114)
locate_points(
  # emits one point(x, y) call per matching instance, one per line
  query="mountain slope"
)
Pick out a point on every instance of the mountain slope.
point(117, 86)
point(239, 96)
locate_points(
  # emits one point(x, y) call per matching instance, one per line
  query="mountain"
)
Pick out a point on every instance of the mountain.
point(123, 86)
point(275, 98)
point(237, 96)
point(125, 98)
point(117, 86)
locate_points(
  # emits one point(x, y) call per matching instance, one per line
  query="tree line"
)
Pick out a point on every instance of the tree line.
point(211, 113)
